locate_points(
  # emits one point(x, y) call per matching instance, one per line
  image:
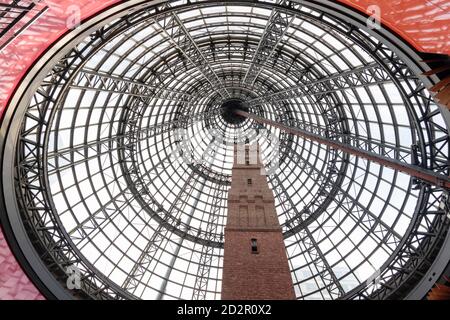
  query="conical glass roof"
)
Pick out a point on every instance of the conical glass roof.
point(136, 180)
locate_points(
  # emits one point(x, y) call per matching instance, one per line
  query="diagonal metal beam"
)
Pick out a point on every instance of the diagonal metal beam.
point(174, 29)
point(142, 133)
point(330, 280)
point(360, 77)
point(143, 263)
point(93, 80)
point(206, 256)
point(83, 152)
point(352, 207)
point(277, 25)
point(412, 170)
point(94, 223)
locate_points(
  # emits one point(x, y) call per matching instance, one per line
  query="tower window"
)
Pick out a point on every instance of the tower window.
point(249, 182)
point(254, 243)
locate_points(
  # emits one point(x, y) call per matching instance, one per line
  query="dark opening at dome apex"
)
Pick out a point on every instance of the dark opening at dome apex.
point(228, 111)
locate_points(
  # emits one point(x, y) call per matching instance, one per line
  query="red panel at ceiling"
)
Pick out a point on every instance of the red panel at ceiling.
point(425, 24)
point(422, 23)
point(14, 284)
point(18, 55)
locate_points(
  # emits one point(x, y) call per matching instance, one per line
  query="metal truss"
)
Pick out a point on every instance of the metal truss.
point(414, 255)
point(326, 194)
point(144, 262)
point(206, 255)
point(329, 182)
point(359, 77)
point(435, 226)
point(86, 151)
point(397, 164)
point(297, 224)
point(38, 211)
point(305, 237)
point(277, 25)
point(92, 80)
point(138, 182)
point(174, 29)
point(383, 232)
point(337, 195)
point(196, 67)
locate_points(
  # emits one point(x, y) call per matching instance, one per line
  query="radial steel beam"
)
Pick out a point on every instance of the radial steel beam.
point(372, 74)
point(349, 204)
point(97, 81)
point(145, 259)
point(275, 30)
point(95, 221)
point(181, 203)
point(412, 170)
point(83, 152)
point(206, 256)
point(319, 260)
point(174, 29)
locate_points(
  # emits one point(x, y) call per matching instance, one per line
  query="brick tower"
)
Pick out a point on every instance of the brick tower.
point(255, 263)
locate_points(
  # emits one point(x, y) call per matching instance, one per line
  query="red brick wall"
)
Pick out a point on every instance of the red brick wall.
point(248, 276)
point(252, 215)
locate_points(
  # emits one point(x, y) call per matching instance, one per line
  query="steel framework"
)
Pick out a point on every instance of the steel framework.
point(118, 172)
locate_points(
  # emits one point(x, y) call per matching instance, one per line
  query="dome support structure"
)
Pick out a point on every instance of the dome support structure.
point(360, 151)
point(89, 176)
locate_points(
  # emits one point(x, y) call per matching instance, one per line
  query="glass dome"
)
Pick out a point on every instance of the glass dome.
point(119, 171)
